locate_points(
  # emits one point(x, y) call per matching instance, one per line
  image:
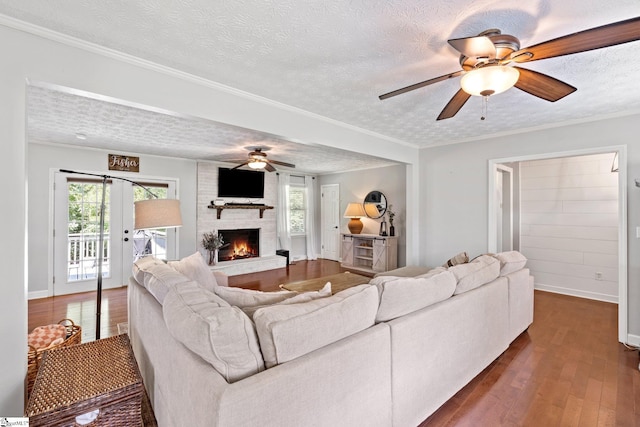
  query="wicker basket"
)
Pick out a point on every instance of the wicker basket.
point(74, 334)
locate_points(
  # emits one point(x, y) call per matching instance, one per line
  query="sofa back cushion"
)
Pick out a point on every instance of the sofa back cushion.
point(196, 269)
point(479, 271)
point(404, 295)
point(510, 261)
point(292, 330)
point(157, 277)
point(207, 325)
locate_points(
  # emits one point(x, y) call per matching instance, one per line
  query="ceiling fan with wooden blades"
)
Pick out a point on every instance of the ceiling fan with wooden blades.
point(488, 63)
point(257, 159)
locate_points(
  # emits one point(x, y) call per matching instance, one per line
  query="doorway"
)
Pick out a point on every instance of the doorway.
point(572, 223)
point(330, 221)
point(76, 232)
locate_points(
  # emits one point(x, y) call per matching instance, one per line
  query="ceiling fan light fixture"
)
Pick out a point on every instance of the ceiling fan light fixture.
point(489, 80)
point(257, 164)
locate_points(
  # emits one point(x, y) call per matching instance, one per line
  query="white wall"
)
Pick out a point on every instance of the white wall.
point(569, 213)
point(453, 203)
point(42, 158)
point(391, 181)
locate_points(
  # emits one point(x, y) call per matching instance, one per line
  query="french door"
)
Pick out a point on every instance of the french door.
point(76, 250)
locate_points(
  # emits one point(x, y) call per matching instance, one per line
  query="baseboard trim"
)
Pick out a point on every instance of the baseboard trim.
point(576, 293)
point(633, 340)
point(38, 294)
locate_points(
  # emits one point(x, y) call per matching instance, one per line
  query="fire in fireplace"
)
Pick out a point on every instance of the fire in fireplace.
point(239, 244)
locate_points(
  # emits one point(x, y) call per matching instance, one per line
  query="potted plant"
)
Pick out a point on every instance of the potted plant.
point(212, 242)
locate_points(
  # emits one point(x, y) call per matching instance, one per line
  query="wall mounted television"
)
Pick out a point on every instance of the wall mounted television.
point(240, 183)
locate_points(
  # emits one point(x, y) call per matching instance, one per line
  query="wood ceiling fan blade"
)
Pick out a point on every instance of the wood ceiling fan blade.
point(542, 85)
point(240, 165)
point(276, 162)
point(234, 161)
point(421, 84)
point(269, 168)
point(474, 47)
point(454, 105)
point(594, 38)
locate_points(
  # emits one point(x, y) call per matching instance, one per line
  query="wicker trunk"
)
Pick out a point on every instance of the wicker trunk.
point(100, 375)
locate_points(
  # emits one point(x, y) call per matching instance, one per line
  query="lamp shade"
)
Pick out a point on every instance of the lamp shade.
point(489, 80)
point(354, 210)
point(157, 213)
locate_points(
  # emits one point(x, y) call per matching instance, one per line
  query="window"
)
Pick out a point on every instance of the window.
point(297, 206)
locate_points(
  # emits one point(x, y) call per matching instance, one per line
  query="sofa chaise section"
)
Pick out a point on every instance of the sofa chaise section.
point(345, 383)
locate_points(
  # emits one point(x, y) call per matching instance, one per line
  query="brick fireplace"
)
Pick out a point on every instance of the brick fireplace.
point(239, 219)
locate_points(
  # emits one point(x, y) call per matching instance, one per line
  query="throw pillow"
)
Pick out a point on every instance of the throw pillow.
point(293, 330)
point(207, 325)
point(143, 264)
point(196, 269)
point(460, 258)
point(481, 270)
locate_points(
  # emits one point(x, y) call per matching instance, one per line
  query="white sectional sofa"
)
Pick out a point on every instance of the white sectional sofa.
point(388, 353)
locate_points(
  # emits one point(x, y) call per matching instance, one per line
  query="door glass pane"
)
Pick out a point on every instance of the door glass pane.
point(149, 242)
point(83, 222)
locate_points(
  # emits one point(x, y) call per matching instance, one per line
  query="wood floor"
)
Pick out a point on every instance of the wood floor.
point(567, 370)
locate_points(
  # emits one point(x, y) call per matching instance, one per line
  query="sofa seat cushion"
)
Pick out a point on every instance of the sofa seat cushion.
point(404, 295)
point(324, 292)
point(407, 271)
point(157, 277)
point(196, 269)
point(290, 331)
point(510, 262)
point(479, 271)
point(222, 335)
point(244, 298)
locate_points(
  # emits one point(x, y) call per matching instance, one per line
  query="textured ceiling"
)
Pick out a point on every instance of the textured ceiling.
point(334, 58)
point(56, 116)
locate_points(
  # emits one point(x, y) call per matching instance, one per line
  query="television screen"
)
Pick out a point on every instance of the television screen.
point(240, 183)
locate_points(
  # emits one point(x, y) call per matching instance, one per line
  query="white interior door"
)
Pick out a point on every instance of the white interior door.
point(330, 221)
point(503, 202)
point(77, 201)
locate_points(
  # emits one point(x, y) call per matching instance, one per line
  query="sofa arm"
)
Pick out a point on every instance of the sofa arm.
point(221, 278)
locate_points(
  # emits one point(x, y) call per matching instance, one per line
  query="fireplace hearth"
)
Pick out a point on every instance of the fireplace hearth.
point(239, 244)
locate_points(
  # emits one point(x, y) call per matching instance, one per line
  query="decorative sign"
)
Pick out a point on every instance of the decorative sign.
point(124, 163)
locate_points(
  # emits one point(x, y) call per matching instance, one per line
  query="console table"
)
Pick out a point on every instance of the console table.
point(247, 206)
point(369, 252)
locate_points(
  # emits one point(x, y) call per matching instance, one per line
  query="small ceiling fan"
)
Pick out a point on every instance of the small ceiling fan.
point(257, 159)
point(488, 59)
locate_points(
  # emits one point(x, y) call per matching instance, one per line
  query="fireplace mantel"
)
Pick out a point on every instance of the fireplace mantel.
point(248, 206)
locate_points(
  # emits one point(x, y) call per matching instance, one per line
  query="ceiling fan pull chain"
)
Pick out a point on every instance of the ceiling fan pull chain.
point(485, 107)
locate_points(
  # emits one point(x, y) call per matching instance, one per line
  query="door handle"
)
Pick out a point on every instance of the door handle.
point(335, 226)
point(126, 239)
point(126, 231)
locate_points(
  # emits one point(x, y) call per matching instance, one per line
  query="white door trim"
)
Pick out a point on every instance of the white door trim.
point(623, 300)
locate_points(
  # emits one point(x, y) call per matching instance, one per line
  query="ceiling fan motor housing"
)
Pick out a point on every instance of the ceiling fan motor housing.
point(505, 45)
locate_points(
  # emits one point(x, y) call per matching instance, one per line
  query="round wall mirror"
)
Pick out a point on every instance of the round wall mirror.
point(375, 204)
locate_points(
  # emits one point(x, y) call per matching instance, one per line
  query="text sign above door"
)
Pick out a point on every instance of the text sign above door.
point(124, 163)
